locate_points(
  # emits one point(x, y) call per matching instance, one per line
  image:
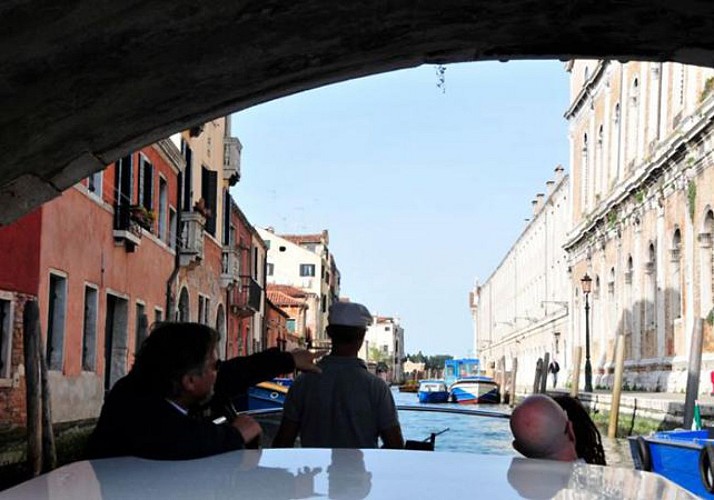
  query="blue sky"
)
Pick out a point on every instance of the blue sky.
point(422, 191)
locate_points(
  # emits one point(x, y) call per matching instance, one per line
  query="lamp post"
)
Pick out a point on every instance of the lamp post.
point(586, 283)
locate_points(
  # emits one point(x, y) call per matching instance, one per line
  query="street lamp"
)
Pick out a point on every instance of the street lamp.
point(586, 282)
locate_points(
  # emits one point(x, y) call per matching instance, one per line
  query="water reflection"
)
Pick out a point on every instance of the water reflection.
point(471, 434)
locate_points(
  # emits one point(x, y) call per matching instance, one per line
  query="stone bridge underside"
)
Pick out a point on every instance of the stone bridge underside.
point(83, 82)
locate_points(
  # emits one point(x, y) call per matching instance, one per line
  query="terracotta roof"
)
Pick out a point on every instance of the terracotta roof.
point(289, 290)
point(281, 299)
point(307, 238)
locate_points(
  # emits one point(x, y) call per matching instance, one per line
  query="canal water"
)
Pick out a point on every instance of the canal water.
point(472, 434)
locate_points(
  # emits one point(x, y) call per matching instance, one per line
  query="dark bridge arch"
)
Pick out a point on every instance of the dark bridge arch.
point(85, 81)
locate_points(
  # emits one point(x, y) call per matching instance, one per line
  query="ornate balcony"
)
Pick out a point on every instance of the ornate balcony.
point(191, 238)
point(246, 298)
point(230, 266)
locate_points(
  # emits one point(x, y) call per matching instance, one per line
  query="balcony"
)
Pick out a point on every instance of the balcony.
point(246, 299)
point(126, 230)
point(191, 238)
point(231, 160)
point(230, 266)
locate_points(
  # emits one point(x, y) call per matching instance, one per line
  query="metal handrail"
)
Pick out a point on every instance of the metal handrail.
point(434, 409)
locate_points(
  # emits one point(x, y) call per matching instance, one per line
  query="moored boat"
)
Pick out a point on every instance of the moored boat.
point(474, 390)
point(433, 391)
point(684, 457)
point(266, 395)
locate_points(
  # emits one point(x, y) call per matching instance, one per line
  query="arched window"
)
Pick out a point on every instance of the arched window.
point(183, 306)
point(586, 74)
point(675, 295)
point(706, 267)
point(633, 121)
point(649, 340)
point(611, 283)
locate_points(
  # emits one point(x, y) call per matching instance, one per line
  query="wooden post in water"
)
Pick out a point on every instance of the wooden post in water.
point(514, 371)
point(693, 372)
point(538, 370)
point(617, 386)
point(30, 336)
point(544, 373)
point(49, 453)
point(577, 358)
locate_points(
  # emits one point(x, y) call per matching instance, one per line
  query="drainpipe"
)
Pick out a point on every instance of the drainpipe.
point(264, 334)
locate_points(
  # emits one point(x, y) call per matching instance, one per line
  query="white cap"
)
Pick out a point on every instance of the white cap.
point(349, 314)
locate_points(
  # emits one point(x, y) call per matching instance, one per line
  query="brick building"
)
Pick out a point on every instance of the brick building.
point(97, 259)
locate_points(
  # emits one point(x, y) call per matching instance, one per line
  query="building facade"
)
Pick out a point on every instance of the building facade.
point(521, 311)
point(643, 214)
point(305, 262)
point(384, 343)
point(97, 260)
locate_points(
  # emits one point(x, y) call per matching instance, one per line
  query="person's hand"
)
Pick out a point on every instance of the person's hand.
point(248, 428)
point(305, 360)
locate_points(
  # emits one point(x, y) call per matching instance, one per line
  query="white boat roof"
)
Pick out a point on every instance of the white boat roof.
point(342, 473)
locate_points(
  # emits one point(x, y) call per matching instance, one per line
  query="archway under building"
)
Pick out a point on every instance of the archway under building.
point(84, 83)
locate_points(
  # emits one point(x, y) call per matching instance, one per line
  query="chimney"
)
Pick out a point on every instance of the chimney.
point(270, 229)
point(534, 204)
point(559, 172)
point(540, 197)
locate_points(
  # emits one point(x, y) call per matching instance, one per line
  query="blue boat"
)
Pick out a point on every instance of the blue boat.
point(466, 385)
point(433, 391)
point(266, 395)
point(684, 457)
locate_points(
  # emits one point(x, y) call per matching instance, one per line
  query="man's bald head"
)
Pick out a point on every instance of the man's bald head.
point(541, 429)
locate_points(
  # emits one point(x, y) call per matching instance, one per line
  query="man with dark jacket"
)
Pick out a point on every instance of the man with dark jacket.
point(154, 411)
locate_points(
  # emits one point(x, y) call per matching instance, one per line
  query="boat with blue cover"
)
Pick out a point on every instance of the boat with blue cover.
point(266, 395)
point(467, 385)
point(433, 391)
point(682, 456)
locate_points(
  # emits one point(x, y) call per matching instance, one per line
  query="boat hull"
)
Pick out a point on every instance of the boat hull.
point(266, 395)
point(433, 396)
point(474, 392)
point(675, 455)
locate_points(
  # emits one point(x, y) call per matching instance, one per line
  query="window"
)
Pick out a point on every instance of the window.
point(55, 321)
point(163, 199)
point(290, 324)
point(270, 268)
point(209, 193)
point(204, 305)
point(142, 323)
point(123, 180)
point(307, 269)
point(172, 228)
point(158, 315)
point(94, 183)
point(5, 337)
point(89, 329)
point(146, 183)
point(267, 244)
point(323, 301)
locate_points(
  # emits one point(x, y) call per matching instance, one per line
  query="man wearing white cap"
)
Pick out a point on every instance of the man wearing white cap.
point(346, 406)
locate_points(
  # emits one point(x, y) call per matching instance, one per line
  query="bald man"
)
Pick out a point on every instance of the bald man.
point(541, 429)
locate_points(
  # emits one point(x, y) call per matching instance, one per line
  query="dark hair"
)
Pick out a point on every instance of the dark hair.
point(171, 351)
point(588, 442)
point(341, 334)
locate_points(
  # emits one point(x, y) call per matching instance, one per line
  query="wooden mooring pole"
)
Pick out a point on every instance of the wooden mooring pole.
point(49, 452)
point(538, 370)
point(694, 369)
point(30, 343)
point(577, 358)
point(617, 386)
point(544, 373)
point(514, 371)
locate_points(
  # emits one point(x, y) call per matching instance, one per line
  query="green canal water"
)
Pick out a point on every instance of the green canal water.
point(472, 434)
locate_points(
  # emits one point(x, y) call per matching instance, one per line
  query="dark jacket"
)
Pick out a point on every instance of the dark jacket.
point(136, 422)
